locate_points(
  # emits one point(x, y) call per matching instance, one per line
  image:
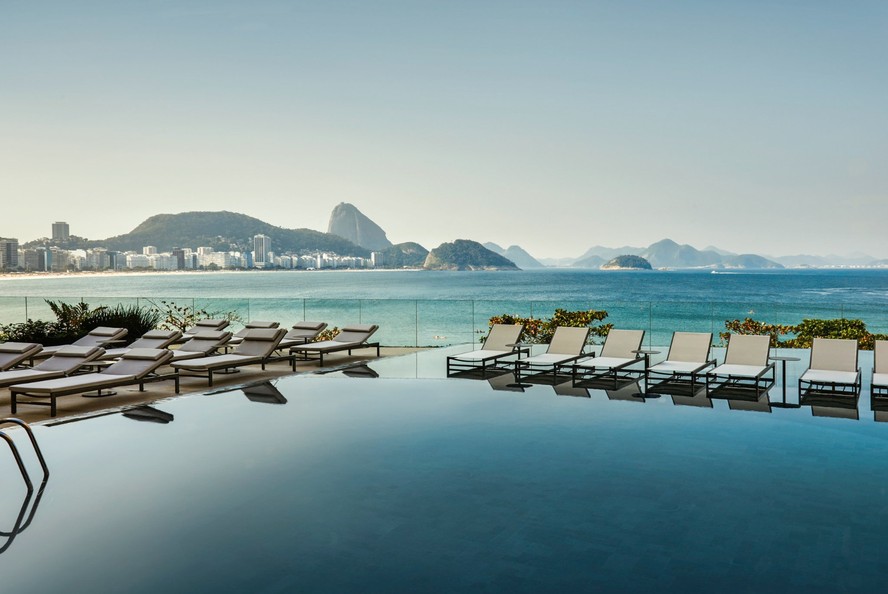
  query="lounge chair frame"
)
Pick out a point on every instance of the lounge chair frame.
point(586, 374)
point(687, 381)
point(28, 390)
point(205, 367)
point(501, 342)
point(826, 392)
point(879, 376)
point(316, 351)
point(561, 347)
point(738, 380)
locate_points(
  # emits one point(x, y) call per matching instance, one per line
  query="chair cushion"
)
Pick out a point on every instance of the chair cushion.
point(823, 376)
point(310, 325)
point(17, 347)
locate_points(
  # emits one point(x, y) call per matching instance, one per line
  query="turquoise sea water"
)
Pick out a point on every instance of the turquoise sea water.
point(423, 307)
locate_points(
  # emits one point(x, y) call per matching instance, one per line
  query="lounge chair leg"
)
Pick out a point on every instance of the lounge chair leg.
point(176, 379)
point(13, 401)
point(209, 378)
point(52, 406)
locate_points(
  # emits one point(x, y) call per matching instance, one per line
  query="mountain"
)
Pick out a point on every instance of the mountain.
point(464, 254)
point(606, 253)
point(404, 255)
point(627, 262)
point(804, 260)
point(221, 231)
point(348, 222)
point(516, 254)
point(589, 261)
point(668, 254)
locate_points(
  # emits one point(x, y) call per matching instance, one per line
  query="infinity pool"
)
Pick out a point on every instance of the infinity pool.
point(361, 484)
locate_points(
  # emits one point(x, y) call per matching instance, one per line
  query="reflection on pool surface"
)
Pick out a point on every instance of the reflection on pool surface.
point(355, 483)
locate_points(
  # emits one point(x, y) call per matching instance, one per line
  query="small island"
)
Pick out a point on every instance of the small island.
point(627, 262)
point(464, 254)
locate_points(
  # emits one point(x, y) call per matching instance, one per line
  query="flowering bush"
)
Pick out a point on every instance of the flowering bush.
point(802, 335)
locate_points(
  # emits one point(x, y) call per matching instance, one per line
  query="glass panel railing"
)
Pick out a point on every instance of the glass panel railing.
point(442, 323)
point(336, 312)
point(396, 318)
point(13, 310)
point(287, 311)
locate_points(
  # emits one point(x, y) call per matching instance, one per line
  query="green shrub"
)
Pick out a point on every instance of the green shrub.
point(181, 317)
point(540, 331)
point(801, 336)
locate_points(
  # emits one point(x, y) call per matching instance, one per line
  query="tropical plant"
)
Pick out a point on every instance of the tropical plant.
point(801, 336)
point(173, 316)
point(541, 330)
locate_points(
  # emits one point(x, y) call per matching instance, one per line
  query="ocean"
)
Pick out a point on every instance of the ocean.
point(438, 308)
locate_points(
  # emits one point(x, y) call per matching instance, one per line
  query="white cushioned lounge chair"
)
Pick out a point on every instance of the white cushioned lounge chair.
point(13, 354)
point(257, 347)
point(102, 336)
point(350, 338)
point(137, 366)
point(833, 373)
point(620, 351)
point(566, 346)
point(746, 369)
point(880, 369)
point(685, 364)
point(153, 339)
point(202, 344)
point(302, 333)
point(65, 361)
point(501, 342)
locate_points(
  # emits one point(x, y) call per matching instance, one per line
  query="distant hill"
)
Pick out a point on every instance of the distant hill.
point(627, 262)
point(404, 255)
point(224, 231)
point(589, 261)
point(348, 222)
point(464, 254)
point(516, 254)
point(606, 253)
point(668, 254)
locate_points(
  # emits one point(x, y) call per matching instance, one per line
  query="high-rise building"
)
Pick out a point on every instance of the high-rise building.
point(149, 250)
point(261, 249)
point(61, 231)
point(9, 249)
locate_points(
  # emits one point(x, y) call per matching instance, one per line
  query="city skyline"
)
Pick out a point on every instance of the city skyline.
point(754, 127)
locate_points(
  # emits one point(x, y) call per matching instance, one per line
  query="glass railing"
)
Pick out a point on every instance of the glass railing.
point(409, 322)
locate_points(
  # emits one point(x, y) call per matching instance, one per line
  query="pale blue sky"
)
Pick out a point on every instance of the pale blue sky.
point(756, 126)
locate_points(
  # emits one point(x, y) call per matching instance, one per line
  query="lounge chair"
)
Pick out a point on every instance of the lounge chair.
point(251, 325)
point(621, 350)
point(153, 339)
point(746, 370)
point(302, 333)
point(349, 339)
point(685, 364)
point(880, 370)
point(102, 336)
point(203, 326)
point(137, 366)
point(501, 342)
point(566, 346)
point(13, 354)
point(833, 373)
point(257, 347)
point(202, 344)
point(64, 362)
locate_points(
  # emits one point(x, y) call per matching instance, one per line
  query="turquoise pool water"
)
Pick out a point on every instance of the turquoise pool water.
point(361, 484)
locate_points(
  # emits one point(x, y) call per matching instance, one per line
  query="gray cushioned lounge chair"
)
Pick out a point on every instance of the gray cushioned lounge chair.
point(685, 364)
point(350, 338)
point(880, 369)
point(501, 342)
point(137, 366)
point(746, 370)
point(251, 325)
point(203, 326)
point(202, 344)
point(65, 361)
point(302, 333)
point(102, 336)
point(257, 347)
point(566, 346)
point(833, 373)
point(620, 351)
point(13, 354)
point(153, 339)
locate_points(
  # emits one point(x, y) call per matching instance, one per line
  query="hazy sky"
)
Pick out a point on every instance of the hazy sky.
point(757, 126)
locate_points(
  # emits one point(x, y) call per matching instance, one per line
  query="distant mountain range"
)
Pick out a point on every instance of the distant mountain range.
point(351, 233)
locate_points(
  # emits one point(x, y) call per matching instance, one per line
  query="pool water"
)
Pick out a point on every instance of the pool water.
point(363, 484)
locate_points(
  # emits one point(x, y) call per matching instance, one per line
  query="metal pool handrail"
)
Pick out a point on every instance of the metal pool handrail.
point(18, 457)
